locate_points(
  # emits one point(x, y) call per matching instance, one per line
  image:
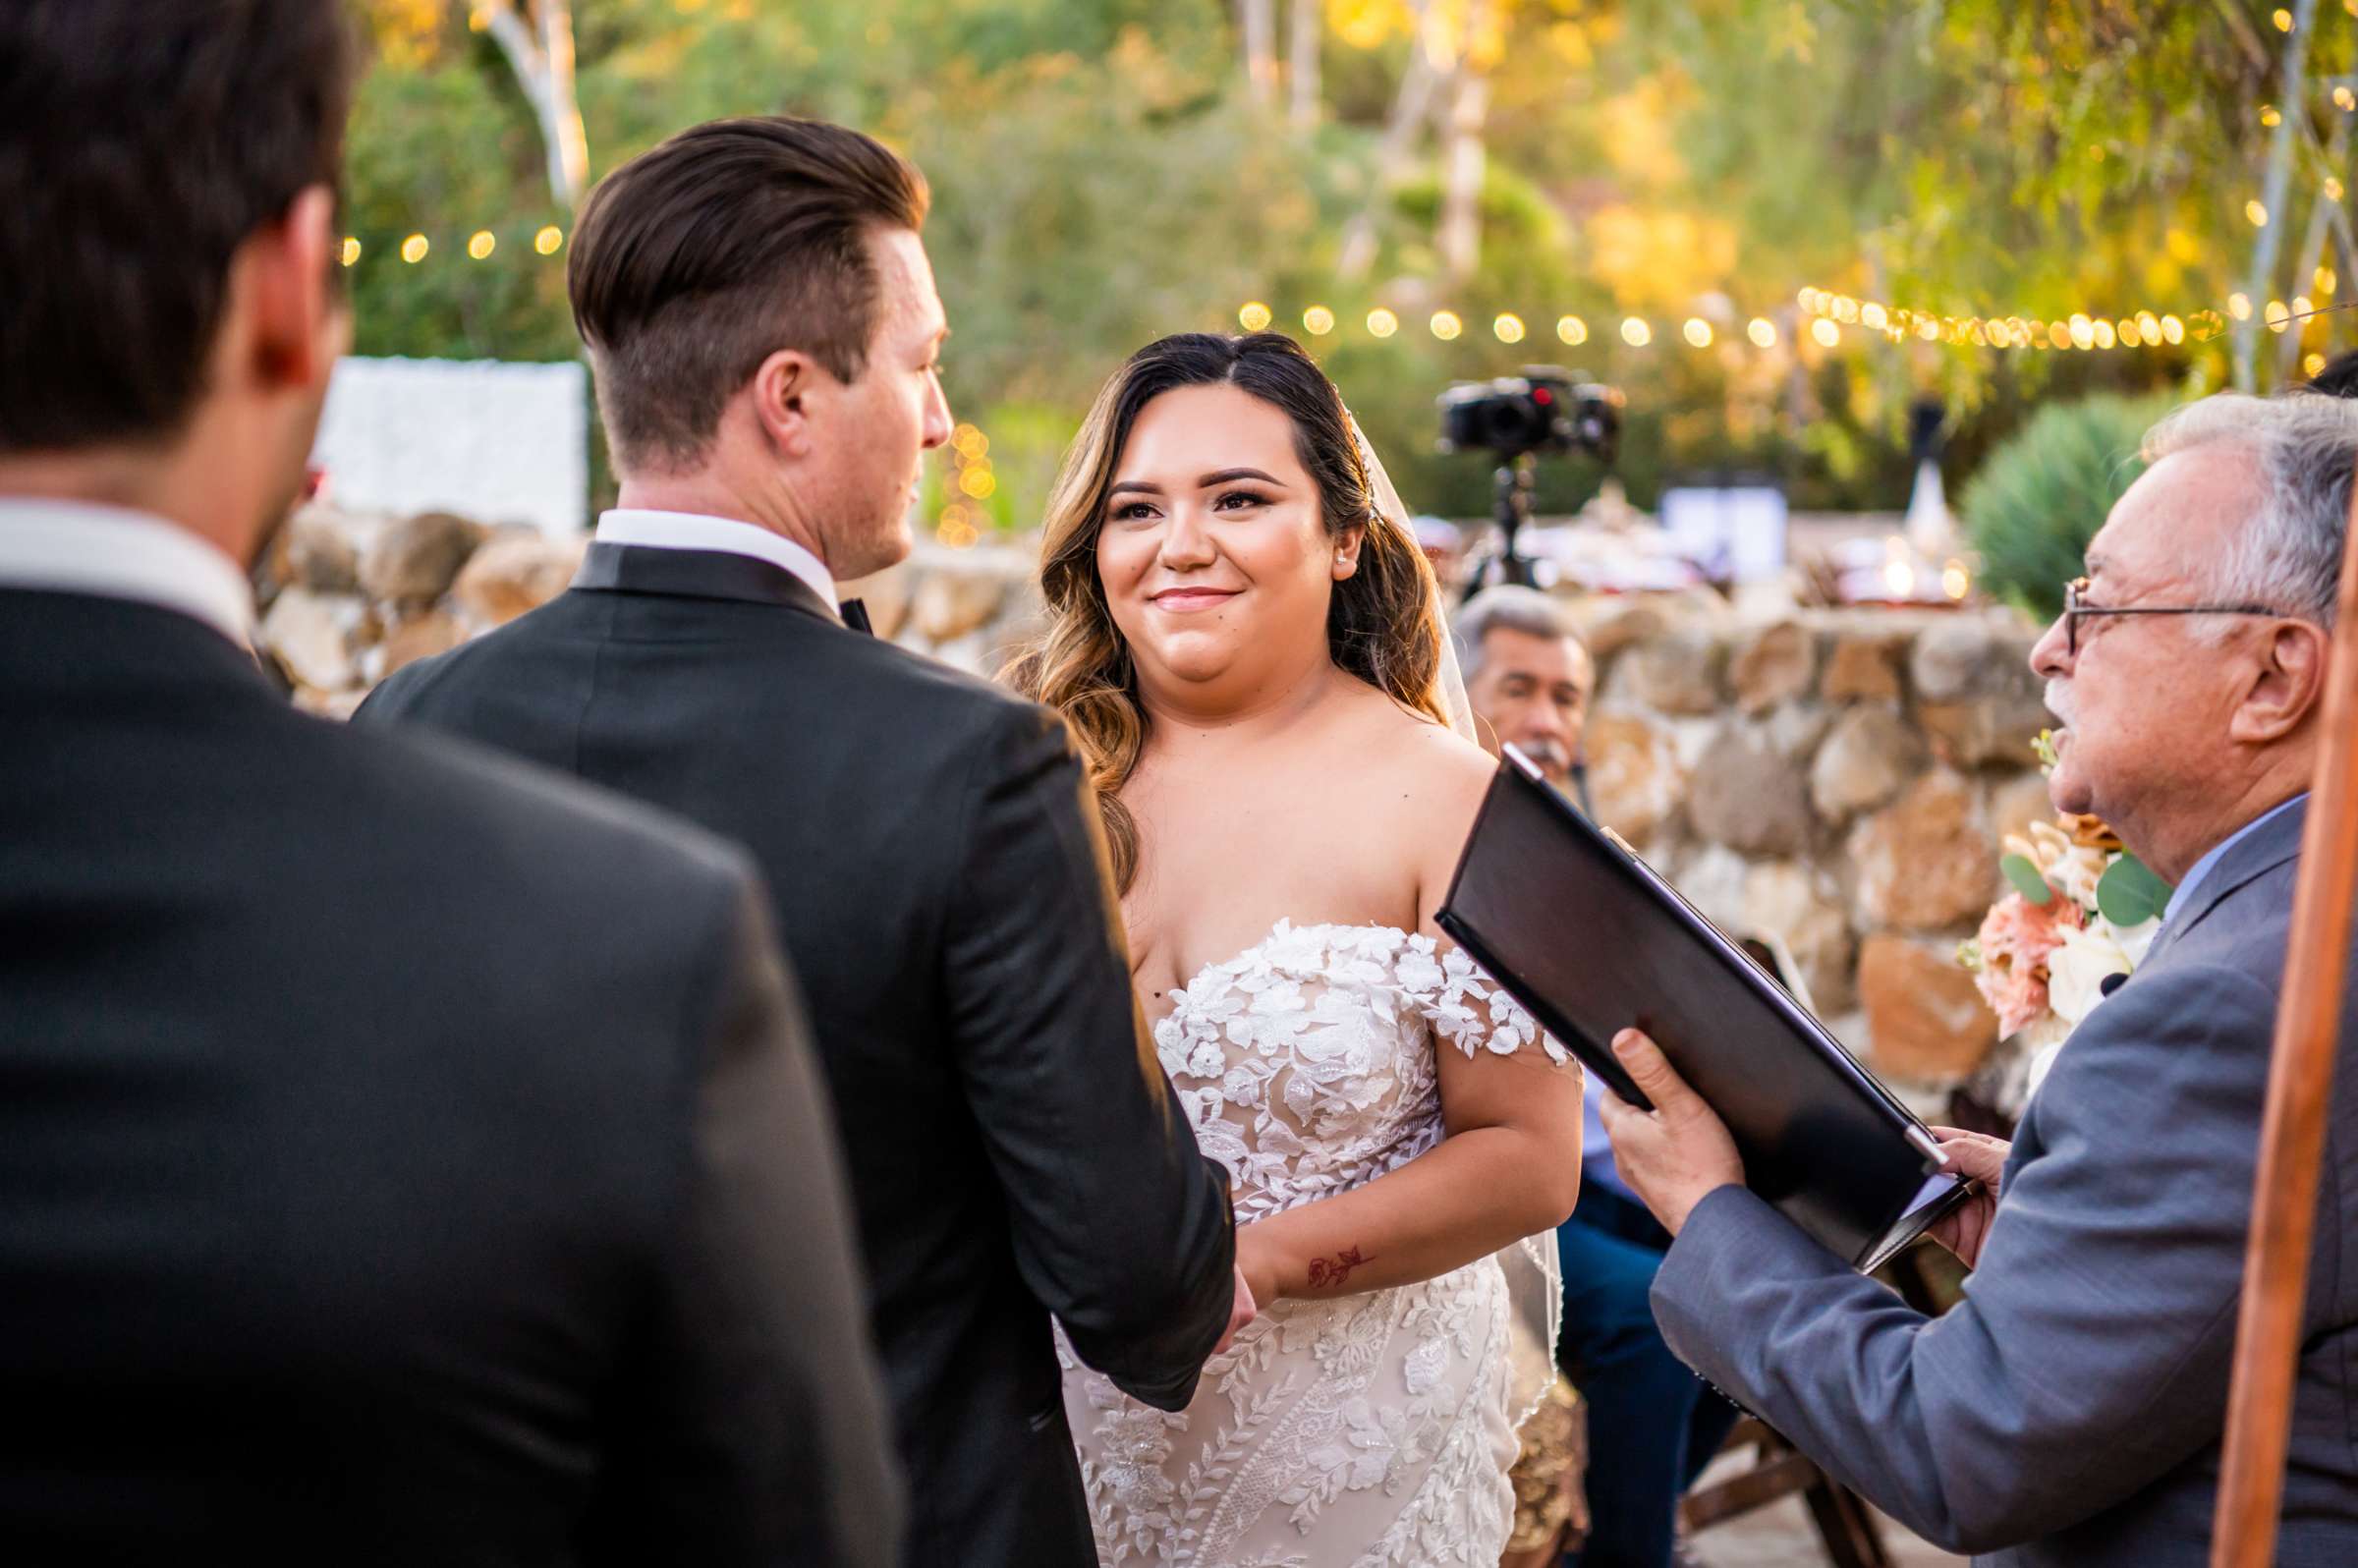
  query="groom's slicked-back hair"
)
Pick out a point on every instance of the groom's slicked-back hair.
point(699, 259)
point(142, 144)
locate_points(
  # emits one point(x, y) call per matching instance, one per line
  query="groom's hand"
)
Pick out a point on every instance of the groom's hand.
point(1678, 1152)
point(1241, 1311)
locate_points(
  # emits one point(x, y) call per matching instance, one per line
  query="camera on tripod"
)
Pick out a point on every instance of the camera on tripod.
point(1541, 411)
point(1515, 419)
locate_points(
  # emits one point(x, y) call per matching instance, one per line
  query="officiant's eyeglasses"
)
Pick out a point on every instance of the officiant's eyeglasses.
point(2076, 608)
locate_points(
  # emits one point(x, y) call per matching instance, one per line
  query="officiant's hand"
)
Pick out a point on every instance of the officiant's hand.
point(1963, 1229)
point(1678, 1152)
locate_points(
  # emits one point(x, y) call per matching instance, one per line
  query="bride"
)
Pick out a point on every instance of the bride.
point(1248, 643)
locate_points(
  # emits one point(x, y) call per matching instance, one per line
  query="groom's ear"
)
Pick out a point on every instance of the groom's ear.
point(787, 391)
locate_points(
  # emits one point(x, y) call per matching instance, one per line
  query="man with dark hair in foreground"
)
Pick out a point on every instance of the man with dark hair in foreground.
point(405, 1157)
point(766, 332)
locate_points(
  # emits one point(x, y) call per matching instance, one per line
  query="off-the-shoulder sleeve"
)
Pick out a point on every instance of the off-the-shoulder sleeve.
point(1465, 1007)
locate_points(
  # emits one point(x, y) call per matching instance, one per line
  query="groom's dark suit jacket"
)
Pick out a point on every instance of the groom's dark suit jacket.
point(405, 1156)
point(2068, 1413)
point(940, 891)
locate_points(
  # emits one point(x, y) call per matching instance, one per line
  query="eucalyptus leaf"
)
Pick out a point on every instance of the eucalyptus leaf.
point(2026, 879)
point(2130, 893)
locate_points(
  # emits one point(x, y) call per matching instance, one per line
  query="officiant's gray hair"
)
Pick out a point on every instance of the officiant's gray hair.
point(1507, 608)
point(2305, 445)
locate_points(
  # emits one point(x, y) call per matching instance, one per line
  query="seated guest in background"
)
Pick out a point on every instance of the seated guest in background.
point(405, 1157)
point(1653, 1423)
point(2068, 1413)
point(766, 332)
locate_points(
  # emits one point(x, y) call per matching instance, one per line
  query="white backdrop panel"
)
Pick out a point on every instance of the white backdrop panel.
point(489, 439)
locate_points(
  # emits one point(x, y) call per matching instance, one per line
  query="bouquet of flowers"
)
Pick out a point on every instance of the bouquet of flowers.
point(2081, 910)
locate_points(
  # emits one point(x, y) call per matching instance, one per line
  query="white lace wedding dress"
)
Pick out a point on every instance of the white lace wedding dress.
point(1359, 1431)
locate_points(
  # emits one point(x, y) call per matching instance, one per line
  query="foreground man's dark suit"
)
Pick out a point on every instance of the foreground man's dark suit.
point(2068, 1414)
point(405, 1157)
point(941, 896)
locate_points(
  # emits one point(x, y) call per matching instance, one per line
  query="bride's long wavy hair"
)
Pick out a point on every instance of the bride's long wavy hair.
point(1383, 623)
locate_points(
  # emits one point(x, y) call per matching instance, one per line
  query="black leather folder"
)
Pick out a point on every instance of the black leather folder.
point(1592, 941)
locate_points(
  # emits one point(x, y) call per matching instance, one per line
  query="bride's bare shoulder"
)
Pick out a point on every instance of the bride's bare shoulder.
point(1429, 779)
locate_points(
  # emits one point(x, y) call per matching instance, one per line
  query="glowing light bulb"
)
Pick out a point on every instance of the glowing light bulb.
point(2311, 363)
point(2058, 335)
point(2276, 316)
point(2130, 332)
point(1253, 316)
point(2174, 330)
point(1572, 330)
point(1763, 333)
point(548, 239)
point(2268, 115)
point(1508, 328)
point(2282, 19)
point(351, 252)
point(1636, 333)
point(1956, 580)
point(1873, 317)
point(1698, 332)
point(1445, 324)
point(2106, 337)
point(2150, 326)
point(481, 244)
point(1382, 324)
point(413, 249)
point(2257, 213)
point(1317, 320)
point(2240, 306)
point(1825, 332)
point(2083, 332)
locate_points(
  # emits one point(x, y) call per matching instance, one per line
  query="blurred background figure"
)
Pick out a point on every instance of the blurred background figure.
point(403, 1158)
point(1529, 678)
point(1652, 1425)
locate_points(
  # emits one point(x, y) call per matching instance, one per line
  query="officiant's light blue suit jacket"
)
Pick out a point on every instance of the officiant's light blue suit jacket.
point(2068, 1413)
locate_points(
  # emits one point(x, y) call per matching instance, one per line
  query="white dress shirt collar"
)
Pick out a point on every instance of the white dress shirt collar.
point(689, 530)
point(78, 547)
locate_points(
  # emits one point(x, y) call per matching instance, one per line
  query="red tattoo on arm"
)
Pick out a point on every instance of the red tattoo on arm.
point(1329, 1274)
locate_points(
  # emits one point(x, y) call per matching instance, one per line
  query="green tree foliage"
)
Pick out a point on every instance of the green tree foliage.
point(2033, 507)
point(1101, 179)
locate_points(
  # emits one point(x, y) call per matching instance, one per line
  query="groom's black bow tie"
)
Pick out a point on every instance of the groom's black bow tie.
point(855, 616)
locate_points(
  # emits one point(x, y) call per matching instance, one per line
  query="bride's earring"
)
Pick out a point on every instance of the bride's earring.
point(1345, 564)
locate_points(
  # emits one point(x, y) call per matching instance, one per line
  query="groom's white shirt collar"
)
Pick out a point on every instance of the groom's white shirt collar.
point(111, 552)
point(689, 530)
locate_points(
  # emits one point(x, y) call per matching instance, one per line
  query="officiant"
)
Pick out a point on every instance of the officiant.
point(2068, 1412)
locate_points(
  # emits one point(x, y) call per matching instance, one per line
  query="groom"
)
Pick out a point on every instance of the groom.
point(765, 333)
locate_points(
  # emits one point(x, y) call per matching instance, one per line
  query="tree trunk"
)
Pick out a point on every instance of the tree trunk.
point(540, 53)
point(1259, 24)
point(1410, 107)
point(1459, 239)
point(2273, 192)
point(1302, 64)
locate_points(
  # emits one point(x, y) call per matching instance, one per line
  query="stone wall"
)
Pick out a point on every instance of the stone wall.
point(346, 599)
point(1837, 780)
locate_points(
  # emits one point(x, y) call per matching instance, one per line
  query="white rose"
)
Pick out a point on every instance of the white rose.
point(2137, 939)
point(2077, 969)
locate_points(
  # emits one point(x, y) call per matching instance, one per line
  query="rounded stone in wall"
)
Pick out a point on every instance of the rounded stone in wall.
point(1749, 795)
point(1634, 776)
point(1870, 756)
point(1677, 672)
point(1925, 1019)
point(1773, 665)
point(1927, 862)
point(417, 558)
point(1862, 667)
point(516, 573)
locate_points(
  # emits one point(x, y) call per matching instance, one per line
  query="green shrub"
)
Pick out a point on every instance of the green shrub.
point(2041, 495)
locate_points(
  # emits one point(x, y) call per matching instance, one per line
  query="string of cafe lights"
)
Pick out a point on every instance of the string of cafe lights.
point(1828, 314)
point(480, 246)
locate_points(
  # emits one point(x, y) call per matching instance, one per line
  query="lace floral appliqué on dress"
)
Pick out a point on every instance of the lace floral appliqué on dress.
point(1372, 1430)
